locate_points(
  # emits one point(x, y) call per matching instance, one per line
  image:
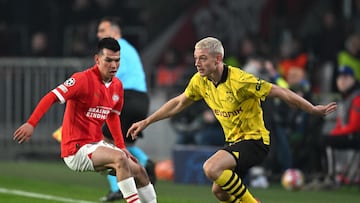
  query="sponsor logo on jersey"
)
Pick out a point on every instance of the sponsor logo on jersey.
point(227, 114)
point(99, 112)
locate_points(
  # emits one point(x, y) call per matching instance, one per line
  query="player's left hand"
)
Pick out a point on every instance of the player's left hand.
point(325, 109)
point(23, 133)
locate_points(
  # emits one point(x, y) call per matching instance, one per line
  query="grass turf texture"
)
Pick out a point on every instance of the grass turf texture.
point(54, 178)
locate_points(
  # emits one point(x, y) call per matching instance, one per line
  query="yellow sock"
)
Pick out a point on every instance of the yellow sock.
point(232, 183)
point(232, 200)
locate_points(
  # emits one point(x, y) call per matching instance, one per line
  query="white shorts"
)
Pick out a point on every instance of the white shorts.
point(81, 160)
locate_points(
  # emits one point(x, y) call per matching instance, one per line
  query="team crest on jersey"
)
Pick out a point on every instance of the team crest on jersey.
point(69, 82)
point(230, 97)
point(115, 98)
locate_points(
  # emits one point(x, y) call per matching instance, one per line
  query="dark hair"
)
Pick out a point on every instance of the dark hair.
point(114, 20)
point(107, 43)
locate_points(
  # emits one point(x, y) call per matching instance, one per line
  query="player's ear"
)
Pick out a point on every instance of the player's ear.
point(218, 58)
point(96, 59)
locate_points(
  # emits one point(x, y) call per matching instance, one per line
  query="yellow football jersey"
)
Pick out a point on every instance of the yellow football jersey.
point(235, 101)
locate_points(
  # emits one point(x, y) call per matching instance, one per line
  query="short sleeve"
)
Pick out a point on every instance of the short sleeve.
point(119, 105)
point(254, 86)
point(192, 91)
point(70, 87)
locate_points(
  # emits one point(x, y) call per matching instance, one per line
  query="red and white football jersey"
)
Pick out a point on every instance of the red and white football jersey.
point(88, 102)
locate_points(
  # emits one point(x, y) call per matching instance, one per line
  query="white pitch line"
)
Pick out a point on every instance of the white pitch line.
point(41, 196)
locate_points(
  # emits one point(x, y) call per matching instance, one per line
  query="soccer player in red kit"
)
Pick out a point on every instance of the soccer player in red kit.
point(94, 96)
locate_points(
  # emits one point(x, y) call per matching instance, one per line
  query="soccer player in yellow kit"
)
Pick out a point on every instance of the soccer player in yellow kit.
point(234, 97)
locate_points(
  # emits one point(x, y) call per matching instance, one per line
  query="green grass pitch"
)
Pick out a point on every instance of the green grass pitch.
point(44, 182)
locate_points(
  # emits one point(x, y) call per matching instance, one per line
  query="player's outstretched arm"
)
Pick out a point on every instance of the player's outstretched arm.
point(135, 128)
point(170, 108)
point(24, 132)
point(297, 101)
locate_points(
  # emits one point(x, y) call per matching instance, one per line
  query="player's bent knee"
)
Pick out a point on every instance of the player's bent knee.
point(210, 170)
point(120, 160)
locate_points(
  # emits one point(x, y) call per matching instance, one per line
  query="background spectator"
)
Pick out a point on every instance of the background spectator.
point(344, 135)
point(39, 44)
point(197, 125)
point(350, 56)
point(169, 70)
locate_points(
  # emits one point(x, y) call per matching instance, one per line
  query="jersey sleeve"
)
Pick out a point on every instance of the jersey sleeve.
point(119, 105)
point(251, 85)
point(43, 106)
point(71, 87)
point(113, 121)
point(192, 91)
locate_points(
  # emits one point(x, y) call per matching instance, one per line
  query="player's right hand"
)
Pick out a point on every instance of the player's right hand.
point(135, 128)
point(23, 133)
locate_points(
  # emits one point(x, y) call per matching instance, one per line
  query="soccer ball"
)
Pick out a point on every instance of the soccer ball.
point(292, 179)
point(164, 170)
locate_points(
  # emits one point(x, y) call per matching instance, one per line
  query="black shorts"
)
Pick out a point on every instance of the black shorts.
point(136, 108)
point(250, 153)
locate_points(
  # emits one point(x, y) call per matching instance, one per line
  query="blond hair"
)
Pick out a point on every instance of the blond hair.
point(213, 45)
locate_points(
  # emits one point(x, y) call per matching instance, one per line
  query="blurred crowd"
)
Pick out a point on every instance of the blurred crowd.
point(294, 50)
point(59, 28)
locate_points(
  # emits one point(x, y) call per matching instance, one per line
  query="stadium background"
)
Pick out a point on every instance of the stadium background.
point(29, 69)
